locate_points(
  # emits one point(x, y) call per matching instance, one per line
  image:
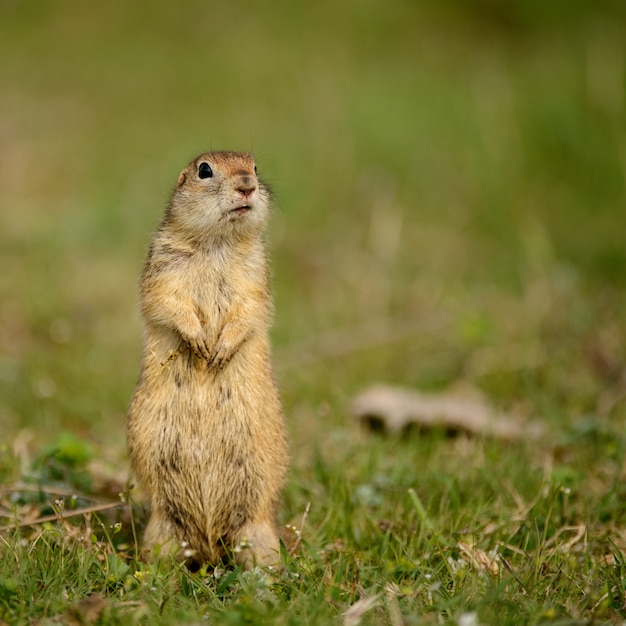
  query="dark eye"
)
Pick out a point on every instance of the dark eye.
point(255, 169)
point(204, 170)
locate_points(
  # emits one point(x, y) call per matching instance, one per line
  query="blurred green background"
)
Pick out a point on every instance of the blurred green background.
point(449, 181)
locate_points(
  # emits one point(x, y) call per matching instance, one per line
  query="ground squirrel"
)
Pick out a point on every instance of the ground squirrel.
point(205, 427)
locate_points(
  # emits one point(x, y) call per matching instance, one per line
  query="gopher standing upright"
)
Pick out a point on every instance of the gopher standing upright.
point(205, 427)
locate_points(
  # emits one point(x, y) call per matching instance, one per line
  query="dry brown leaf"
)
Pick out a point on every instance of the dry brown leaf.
point(392, 409)
point(479, 559)
point(86, 611)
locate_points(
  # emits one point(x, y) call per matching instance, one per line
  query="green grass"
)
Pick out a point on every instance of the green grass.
point(450, 206)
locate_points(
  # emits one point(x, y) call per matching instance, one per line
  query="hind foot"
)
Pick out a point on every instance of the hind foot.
point(159, 538)
point(258, 546)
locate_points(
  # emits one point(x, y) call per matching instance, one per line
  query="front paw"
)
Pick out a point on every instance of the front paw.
point(220, 357)
point(200, 349)
point(230, 340)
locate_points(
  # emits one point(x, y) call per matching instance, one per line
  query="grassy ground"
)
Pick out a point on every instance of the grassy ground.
point(450, 188)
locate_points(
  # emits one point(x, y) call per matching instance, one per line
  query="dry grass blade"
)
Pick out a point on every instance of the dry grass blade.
point(65, 514)
point(393, 606)
point(294, 547)
point(353, 615)
point(580, 532)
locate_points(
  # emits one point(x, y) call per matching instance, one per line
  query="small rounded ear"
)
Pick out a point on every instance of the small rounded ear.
point(181, 179)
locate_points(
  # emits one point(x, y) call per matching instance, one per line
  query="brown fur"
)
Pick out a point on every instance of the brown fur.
point(205, 426)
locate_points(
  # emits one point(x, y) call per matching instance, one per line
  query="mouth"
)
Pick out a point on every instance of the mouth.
point(240, 210)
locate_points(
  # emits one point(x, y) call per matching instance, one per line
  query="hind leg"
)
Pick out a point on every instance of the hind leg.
point(160, 534)
point(260, 546)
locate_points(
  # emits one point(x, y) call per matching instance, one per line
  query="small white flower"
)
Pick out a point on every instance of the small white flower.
point(468, 619)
